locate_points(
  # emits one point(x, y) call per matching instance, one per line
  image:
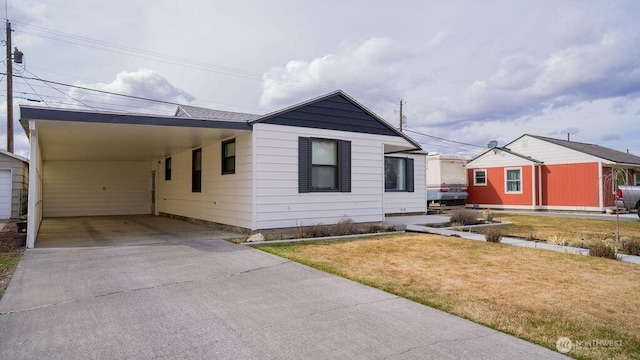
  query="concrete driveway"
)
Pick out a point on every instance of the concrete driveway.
point(179, 293)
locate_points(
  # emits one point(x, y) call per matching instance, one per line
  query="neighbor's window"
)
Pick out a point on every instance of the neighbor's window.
point(324, 165)
point(513, 180)
point(229, 156)
point(196, 170)
point(398, 174)
point(479, 177)
point(167, 168)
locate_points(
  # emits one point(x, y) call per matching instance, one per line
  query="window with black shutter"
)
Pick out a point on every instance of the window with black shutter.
point(324, 165)
point(398, 174)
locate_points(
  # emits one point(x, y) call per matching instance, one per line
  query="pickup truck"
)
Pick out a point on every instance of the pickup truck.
point(630, 196)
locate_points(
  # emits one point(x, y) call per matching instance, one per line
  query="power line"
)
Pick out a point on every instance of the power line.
point(443, 139)
point(173, 60)
point(49, 82)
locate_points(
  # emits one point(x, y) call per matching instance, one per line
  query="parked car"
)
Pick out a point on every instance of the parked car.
point(630, 196)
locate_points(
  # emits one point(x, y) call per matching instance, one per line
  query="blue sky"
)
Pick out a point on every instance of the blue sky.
point(468, 71)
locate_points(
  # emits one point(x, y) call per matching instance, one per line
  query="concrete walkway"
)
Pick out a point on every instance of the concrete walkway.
point(170, 296)
point(417, 224)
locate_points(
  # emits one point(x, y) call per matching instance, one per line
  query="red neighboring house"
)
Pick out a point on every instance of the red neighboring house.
point(541, 173)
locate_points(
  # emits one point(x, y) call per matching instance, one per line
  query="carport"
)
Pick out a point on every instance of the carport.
point(105, 164)
point(123, 230)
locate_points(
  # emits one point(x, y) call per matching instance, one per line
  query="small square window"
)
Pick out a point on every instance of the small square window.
point(167, 168)
point(479, 177)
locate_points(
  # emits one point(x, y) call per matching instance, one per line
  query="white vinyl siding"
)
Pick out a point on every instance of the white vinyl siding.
point(224, 199)
point(498, 158)
point(396, 202)
point(5, 193)
point(90, 188)
point(278, 203)
point(549, 153)
point(18, 183)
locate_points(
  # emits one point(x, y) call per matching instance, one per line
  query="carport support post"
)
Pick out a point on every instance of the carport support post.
point(33, 212)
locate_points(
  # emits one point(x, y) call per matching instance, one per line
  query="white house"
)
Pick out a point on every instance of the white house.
point(310, 163)
point(14, 174)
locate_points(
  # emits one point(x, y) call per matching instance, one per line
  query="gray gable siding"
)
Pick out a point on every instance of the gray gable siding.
point(333, 113)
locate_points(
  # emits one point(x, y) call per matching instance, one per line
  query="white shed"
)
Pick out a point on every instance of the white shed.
point(14, 180)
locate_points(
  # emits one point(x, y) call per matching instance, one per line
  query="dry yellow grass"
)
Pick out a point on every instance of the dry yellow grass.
point(533, 294)
point(544, 227)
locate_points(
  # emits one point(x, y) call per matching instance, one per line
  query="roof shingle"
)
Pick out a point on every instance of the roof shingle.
point(204, 113)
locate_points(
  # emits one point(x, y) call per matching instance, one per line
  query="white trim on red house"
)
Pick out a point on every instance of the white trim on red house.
point(529, 207)
point(506, 169)
point(533, 185)
point(485, 177)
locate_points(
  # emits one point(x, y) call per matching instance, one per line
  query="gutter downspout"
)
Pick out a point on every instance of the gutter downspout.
point(600, 189)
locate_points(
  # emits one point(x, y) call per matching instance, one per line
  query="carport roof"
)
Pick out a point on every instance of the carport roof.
point(41, 113)
point(66, 134)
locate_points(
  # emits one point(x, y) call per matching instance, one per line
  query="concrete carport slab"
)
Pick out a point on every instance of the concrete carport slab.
point(200, 298)
point(122, 231)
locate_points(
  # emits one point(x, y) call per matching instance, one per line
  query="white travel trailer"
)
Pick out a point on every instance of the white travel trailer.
point(446, 180)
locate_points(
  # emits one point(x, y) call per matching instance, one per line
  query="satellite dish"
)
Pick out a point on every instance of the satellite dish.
point(492, 144)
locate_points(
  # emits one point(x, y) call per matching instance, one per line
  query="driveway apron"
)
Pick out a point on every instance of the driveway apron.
point(195, 296)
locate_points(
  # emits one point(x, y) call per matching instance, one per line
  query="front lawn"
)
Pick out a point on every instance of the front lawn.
point(536, 295)
point(570, 229)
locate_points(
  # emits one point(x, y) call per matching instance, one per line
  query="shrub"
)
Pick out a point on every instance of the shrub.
point(631, 247)
point(464, 217)
point(557, 240)
point(493, 234)
point(345, 226)
point(602, 249)
point(315, 230)
point(487, 215)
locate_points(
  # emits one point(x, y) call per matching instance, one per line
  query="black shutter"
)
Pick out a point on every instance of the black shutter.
point(410, 175)
point(345, 165)
point(304, 165)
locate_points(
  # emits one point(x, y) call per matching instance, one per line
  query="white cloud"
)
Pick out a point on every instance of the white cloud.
point(142, 83)
point(371, 69)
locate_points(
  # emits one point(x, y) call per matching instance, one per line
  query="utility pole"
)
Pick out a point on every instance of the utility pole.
point(401, 115)
point(9, 91)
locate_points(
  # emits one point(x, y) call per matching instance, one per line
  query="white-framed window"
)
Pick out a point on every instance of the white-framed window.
point(480, 177)
point(513, 180)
